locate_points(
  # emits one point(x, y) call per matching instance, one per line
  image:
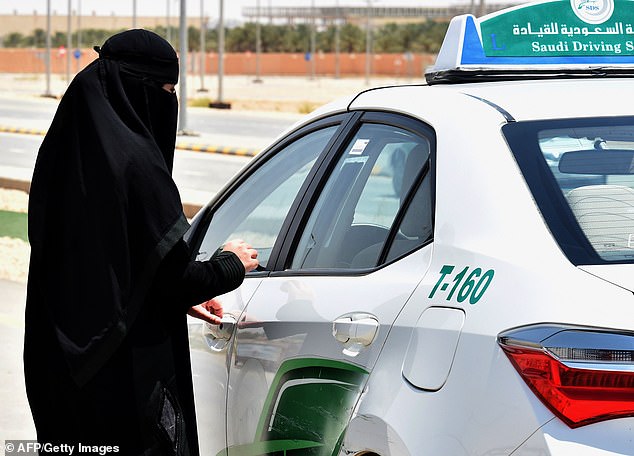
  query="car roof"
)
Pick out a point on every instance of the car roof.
point(515, 100)
point(555, 98)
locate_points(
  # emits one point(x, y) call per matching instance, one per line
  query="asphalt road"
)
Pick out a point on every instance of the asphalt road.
point(251, 127)
point(198, 175)
point(26, 112)
point(18, 151)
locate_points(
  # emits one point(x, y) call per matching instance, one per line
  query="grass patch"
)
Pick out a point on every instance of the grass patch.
point(306, 107)
point(28, 77)
point(14, 225)
point(199, 102)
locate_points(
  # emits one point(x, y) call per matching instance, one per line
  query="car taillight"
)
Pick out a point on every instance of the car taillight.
point(583, 375)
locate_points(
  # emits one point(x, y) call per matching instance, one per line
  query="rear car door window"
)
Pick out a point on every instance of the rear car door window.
point(363, 207)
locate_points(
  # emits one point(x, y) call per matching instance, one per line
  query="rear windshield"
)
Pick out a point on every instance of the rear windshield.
point(581, 173)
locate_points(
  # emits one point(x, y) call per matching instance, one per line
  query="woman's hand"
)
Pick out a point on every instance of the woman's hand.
point(247, 254)
point(209, 311)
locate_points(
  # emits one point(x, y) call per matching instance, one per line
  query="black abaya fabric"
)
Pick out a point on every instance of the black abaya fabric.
point(106, 355)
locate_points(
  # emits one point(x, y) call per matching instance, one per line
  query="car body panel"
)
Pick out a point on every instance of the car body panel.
point(210, 372)
point(554, 99)
point(618, 274)
point(291, 320)
point(599, 439)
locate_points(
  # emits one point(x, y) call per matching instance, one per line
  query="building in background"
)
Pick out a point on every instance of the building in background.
point(358, 15)
point(27, 23)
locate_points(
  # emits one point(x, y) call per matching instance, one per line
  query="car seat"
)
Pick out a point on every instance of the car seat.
point(605, 214)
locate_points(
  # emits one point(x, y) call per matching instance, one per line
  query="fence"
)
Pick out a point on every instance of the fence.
point(289, 64)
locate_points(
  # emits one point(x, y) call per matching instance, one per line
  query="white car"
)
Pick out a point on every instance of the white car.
point(446, 268)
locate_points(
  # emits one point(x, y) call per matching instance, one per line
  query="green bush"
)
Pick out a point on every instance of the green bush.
point(14, 225)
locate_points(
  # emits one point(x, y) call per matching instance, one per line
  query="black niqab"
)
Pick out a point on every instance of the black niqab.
point(104, 210)
point(147, 62)
point(106, 356)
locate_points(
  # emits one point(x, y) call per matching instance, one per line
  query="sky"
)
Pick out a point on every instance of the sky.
point(232, 8)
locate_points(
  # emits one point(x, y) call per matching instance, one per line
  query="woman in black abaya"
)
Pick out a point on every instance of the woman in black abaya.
point(110, 280)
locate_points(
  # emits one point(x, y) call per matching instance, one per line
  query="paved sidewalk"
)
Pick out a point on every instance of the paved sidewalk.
point(15, 419)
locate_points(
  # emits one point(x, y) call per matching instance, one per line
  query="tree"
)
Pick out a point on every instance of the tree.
point(326, 39)
point(352, 38)
point(436, 35)
point(274, 38)
point(94, 37)
point(396, 38)
point(58, 40)
point(193, 39)
point(241, 39)
point(389, 38)
point(14, 40)
point(211, 39)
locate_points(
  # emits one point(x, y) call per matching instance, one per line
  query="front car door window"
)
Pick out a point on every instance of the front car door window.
point(256, 211)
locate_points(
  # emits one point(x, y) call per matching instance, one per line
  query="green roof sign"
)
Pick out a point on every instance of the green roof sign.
point(561, 28)
point(552, 35)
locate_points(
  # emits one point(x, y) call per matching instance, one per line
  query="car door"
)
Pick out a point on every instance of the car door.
point(357, 247)
point(253, 207)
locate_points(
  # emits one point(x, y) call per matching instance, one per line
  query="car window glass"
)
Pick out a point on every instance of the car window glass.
point(256, 211)
point(581, 174)
point(355, 212)
point(594, 169)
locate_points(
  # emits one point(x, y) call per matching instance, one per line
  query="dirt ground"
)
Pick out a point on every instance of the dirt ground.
point(273, 94)
point(14, 253)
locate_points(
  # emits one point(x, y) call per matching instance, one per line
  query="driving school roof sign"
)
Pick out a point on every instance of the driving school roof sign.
point(560, 33)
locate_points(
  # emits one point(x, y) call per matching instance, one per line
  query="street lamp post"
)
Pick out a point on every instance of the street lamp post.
point(168, 31)
point(220, 103)
point(258, 44)
point(78, 35)
point(203, 30)
point(221, 49)
point(69, 42)
point(368, 45)
point(182, 112)
point(47, 54)
point(133, 14)
point(337, 42)
point(313, 39)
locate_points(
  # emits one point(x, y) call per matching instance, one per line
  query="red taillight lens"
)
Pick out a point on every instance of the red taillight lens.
point(577, 395)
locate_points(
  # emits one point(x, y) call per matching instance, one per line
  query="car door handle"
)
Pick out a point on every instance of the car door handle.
point(355, 329)
point(217, 336)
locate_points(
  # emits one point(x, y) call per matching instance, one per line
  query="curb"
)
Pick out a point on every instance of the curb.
point(22, 131)
point(189, 209)
point(236, 151)
point(15, 184)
